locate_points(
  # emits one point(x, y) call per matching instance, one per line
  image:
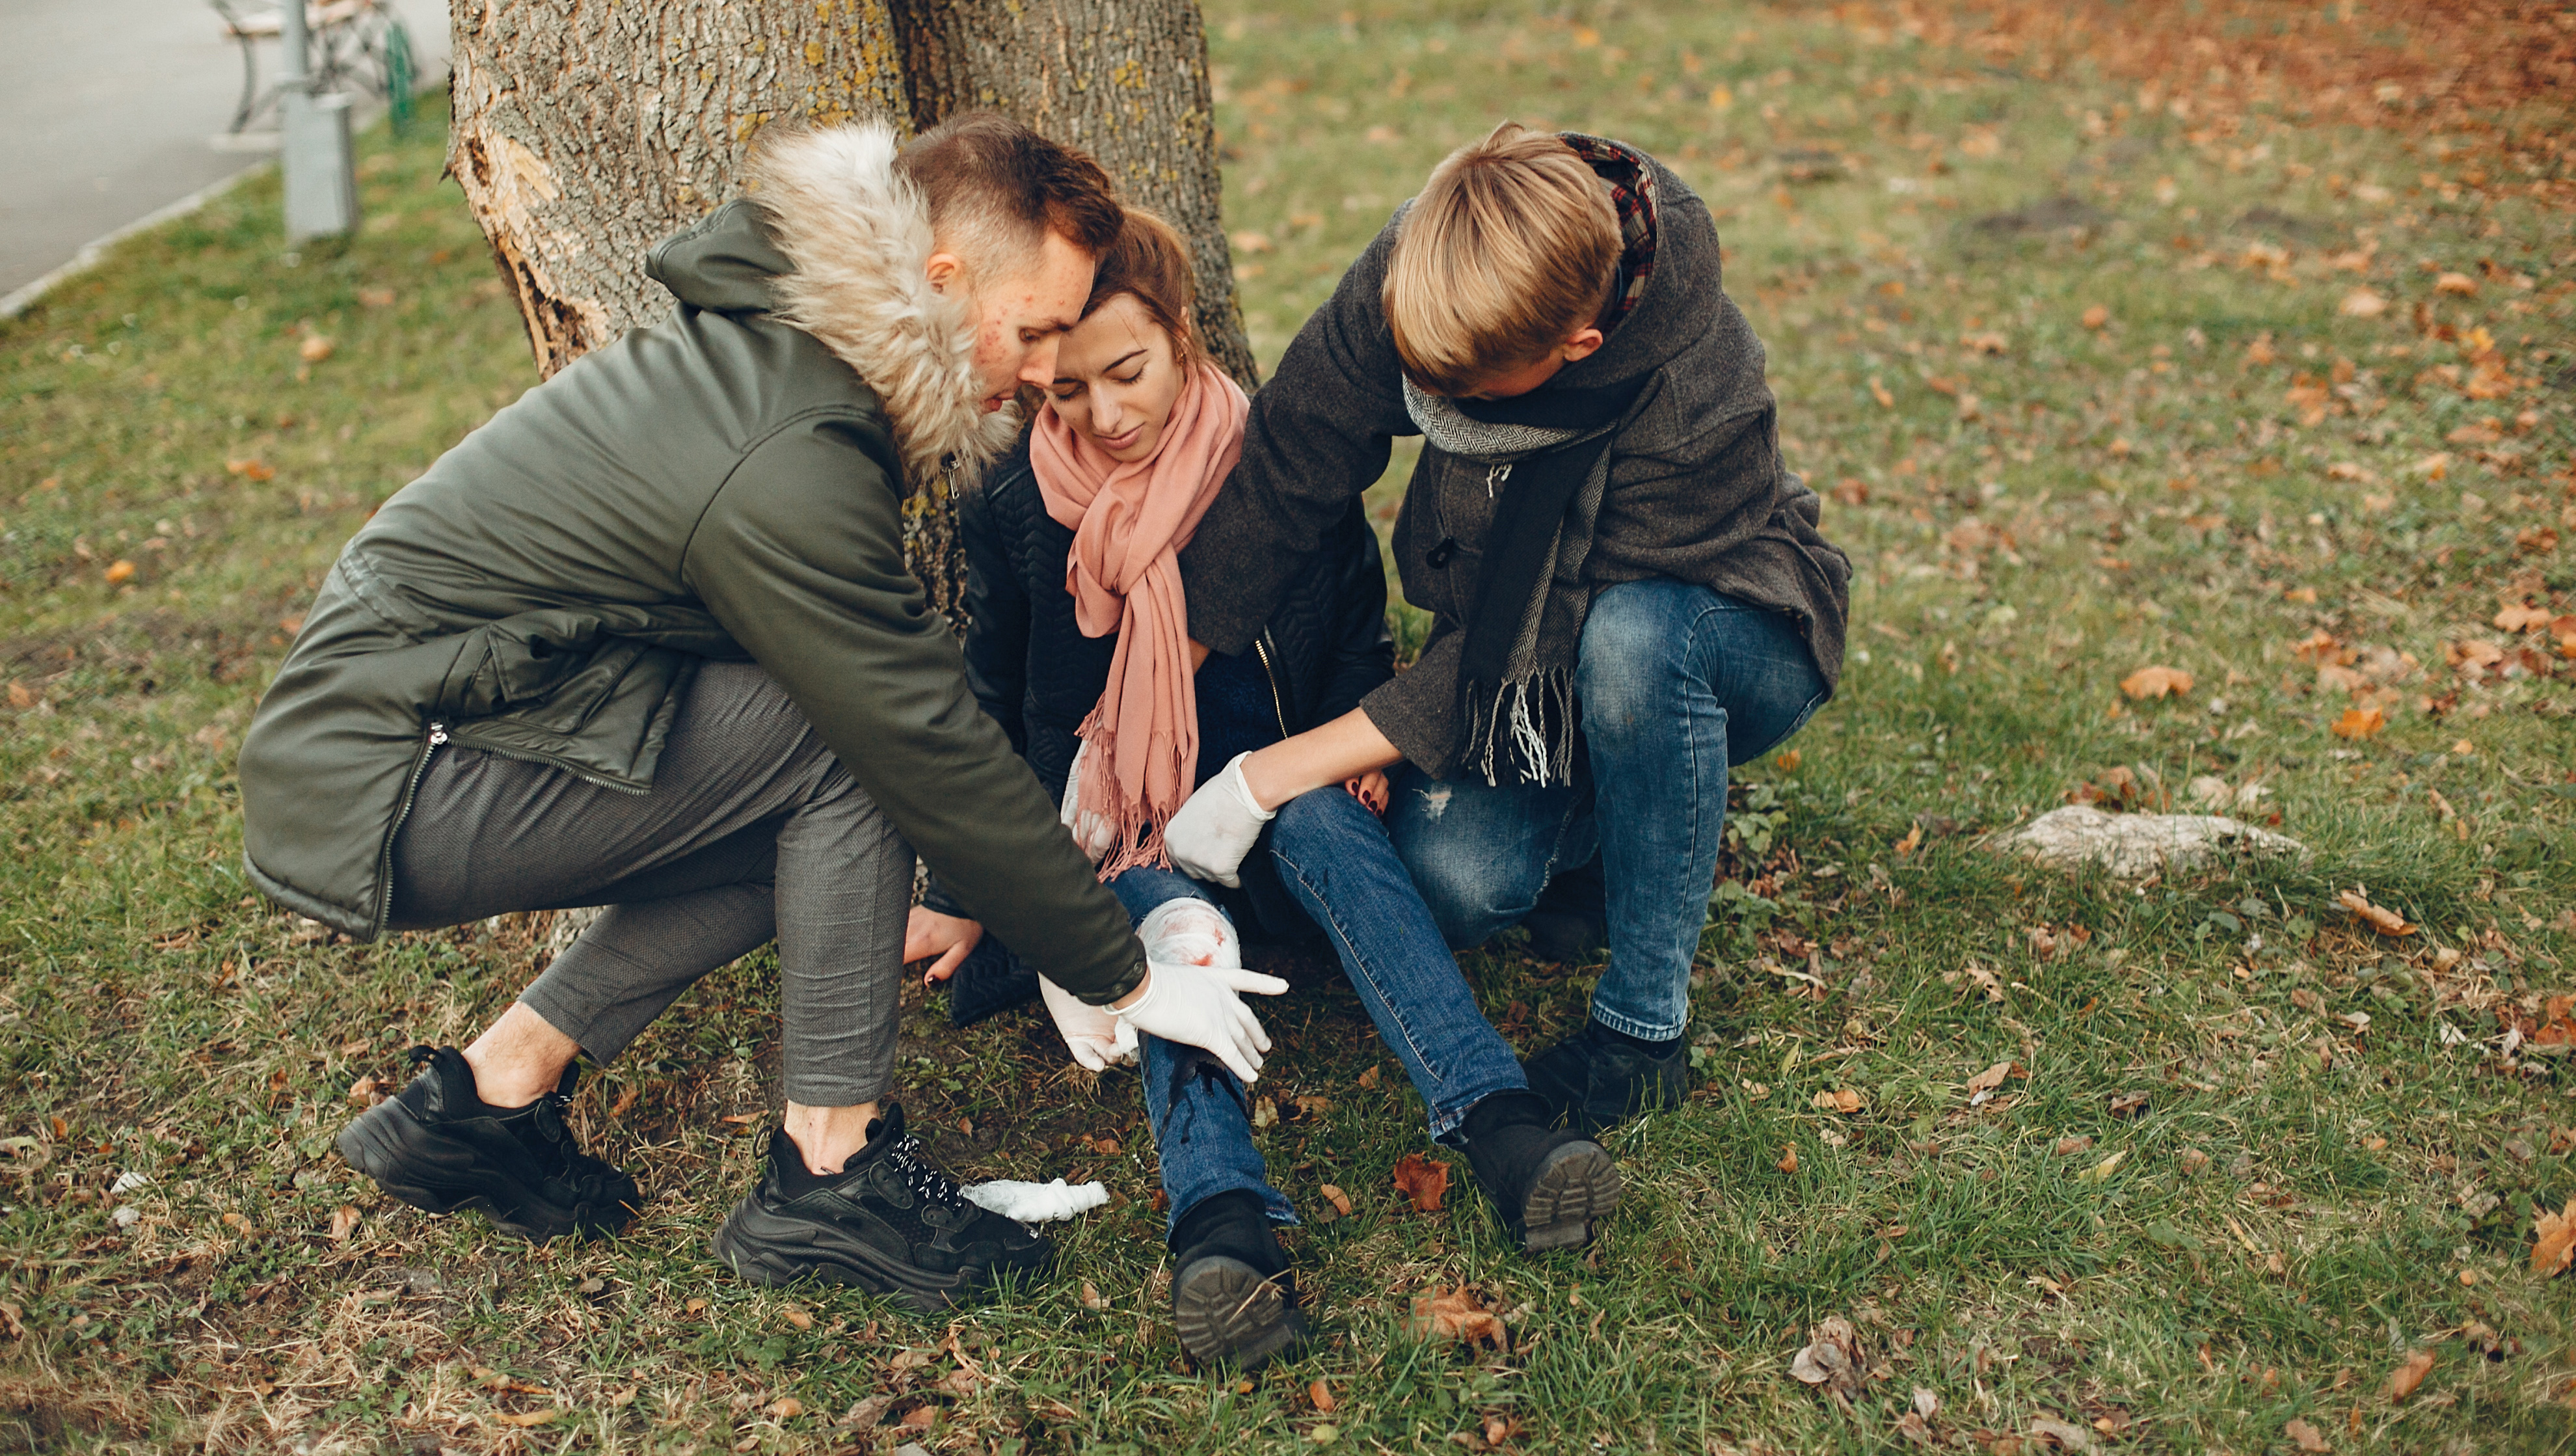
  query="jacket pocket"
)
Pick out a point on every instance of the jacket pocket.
point(550, 665)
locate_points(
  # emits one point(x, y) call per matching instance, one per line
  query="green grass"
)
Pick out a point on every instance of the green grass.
point(2299, 1202)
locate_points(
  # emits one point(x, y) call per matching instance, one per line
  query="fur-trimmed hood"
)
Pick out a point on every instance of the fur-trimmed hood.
point(841, 250)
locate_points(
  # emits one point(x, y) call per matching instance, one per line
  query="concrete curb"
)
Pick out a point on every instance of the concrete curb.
point(96, 248)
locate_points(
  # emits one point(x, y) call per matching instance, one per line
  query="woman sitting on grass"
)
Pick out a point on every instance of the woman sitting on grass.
point(1077, 644)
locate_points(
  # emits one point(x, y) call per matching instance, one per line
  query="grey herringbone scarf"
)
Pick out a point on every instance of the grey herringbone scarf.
point(1516, 674)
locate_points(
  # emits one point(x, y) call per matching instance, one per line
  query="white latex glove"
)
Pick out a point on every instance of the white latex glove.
point(1094, 835)
point(1096, 1038)
point(1200, 1006)
point(1216, 828)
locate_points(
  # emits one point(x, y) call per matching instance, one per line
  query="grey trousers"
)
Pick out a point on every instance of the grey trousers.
point(753, 831)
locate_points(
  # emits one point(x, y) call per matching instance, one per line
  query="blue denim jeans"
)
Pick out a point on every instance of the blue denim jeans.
point(1673, 683)
point(1335, 858)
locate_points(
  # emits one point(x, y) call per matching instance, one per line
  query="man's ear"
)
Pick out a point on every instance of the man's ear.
point(1581, 345)
point(942, 270)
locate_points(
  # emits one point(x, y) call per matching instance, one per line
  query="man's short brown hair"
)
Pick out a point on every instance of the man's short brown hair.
point(1511, 248)
point(995, 188)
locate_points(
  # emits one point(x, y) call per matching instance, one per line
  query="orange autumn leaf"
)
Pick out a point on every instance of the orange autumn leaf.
point(1788, 1158)
point(2379, 918)
point(1320, 1395)
point(528, 1418)
point(1845, 1101)
point(344, 1221)
point(1457, 1316)
point(119, 573)
point(2409, 1374)
point(1340, 1201)
point(1422, 1180)
point(2359, 723)
point(2154, 682)
point(2553, 1243)
point(2096, 316)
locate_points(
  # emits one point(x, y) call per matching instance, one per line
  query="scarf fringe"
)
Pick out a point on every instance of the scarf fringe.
point(1525, 728)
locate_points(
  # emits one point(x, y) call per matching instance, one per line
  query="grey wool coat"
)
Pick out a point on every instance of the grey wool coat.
point(1696, 489)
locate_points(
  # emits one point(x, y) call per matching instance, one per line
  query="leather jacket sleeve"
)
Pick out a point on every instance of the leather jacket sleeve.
point(997, 620)
point(1361, 648)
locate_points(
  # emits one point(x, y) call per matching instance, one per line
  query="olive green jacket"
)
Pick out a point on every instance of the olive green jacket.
point(723, 484)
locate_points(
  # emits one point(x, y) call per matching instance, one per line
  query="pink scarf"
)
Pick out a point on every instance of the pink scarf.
point(1130, 521)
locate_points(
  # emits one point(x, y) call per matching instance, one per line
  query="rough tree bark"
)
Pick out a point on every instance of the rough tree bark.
point(585, 132)
point(1125, 79)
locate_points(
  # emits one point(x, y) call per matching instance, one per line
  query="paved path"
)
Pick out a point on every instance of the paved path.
point(106, 107)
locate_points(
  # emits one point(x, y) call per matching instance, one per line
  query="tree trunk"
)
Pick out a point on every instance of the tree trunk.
point(585, 133)
point(1124, 79)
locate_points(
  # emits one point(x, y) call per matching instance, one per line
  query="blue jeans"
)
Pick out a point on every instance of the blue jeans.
point(1673, 683)
point(1335, 858)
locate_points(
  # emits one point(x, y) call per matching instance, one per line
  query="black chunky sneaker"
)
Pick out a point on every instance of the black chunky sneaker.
point(1598, 1078)
point(1552, 1184)
point(437, 1147)
point(889, 1222)
point(1233, 1297)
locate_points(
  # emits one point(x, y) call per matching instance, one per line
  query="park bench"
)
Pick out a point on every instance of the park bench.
point(354, 46)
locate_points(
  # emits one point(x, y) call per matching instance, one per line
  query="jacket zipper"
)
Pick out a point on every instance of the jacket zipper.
point(411, 788)
point(1278, 704)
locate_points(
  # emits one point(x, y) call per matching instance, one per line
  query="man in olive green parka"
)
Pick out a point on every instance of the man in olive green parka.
point(647, 640)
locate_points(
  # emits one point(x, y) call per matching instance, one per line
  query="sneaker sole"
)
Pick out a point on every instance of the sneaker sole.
point(398, 1151)
point(1577, 1187)
point(1225, 1310)
point(764, 1248)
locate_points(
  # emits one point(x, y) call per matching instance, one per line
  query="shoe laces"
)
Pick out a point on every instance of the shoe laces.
point(924, 1177)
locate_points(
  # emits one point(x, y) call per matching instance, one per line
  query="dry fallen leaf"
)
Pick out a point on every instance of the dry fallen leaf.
point(2410, 1374)
point(1320, 1396)
point(376, 297)
point(2304, 1436)
point(344, 1221)
point(314, 349)
point(1340, 1201)
point(1831, 1358)
point(527, 1418)
point(1787, 760)
point(1843, 1100)
point(2096, 316)
point(250, 469)
point(2553, 1243)
point(2128, 1104)
point(2461, 284)
point(2362, 303)
point(1457, 1315)
point(2066, 1434)
point(1369, 1077)
point(797, 1317)
point(2379, 918)
point(2101, 1172)
point(1092, 1298)
point(2073, 1143)
point(784, 1408)
point(1985, 1082)
point(1423, 1180)
point(1912, 841)
point(2359, 723)
point(2154, 682)
point(1788, 1158)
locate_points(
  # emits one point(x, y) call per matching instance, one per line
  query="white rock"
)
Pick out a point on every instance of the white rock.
point(2133, 846)
point(1036, 1202)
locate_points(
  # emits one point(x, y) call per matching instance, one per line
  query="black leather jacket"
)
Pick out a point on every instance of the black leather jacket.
point(1035, 673)
point(1323, 649)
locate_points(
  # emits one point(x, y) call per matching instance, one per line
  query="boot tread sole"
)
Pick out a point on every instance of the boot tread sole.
point(1224, 1309)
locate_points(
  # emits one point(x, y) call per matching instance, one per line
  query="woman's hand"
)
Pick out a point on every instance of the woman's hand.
point(949, 938)
point(1370, 789)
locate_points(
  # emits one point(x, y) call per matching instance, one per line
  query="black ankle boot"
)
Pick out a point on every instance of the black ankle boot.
point(1232, 1295)
point(1597, 1077)
point(1552, 1185)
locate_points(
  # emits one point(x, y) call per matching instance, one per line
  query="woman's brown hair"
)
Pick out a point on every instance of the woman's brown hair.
point(1149, 261)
